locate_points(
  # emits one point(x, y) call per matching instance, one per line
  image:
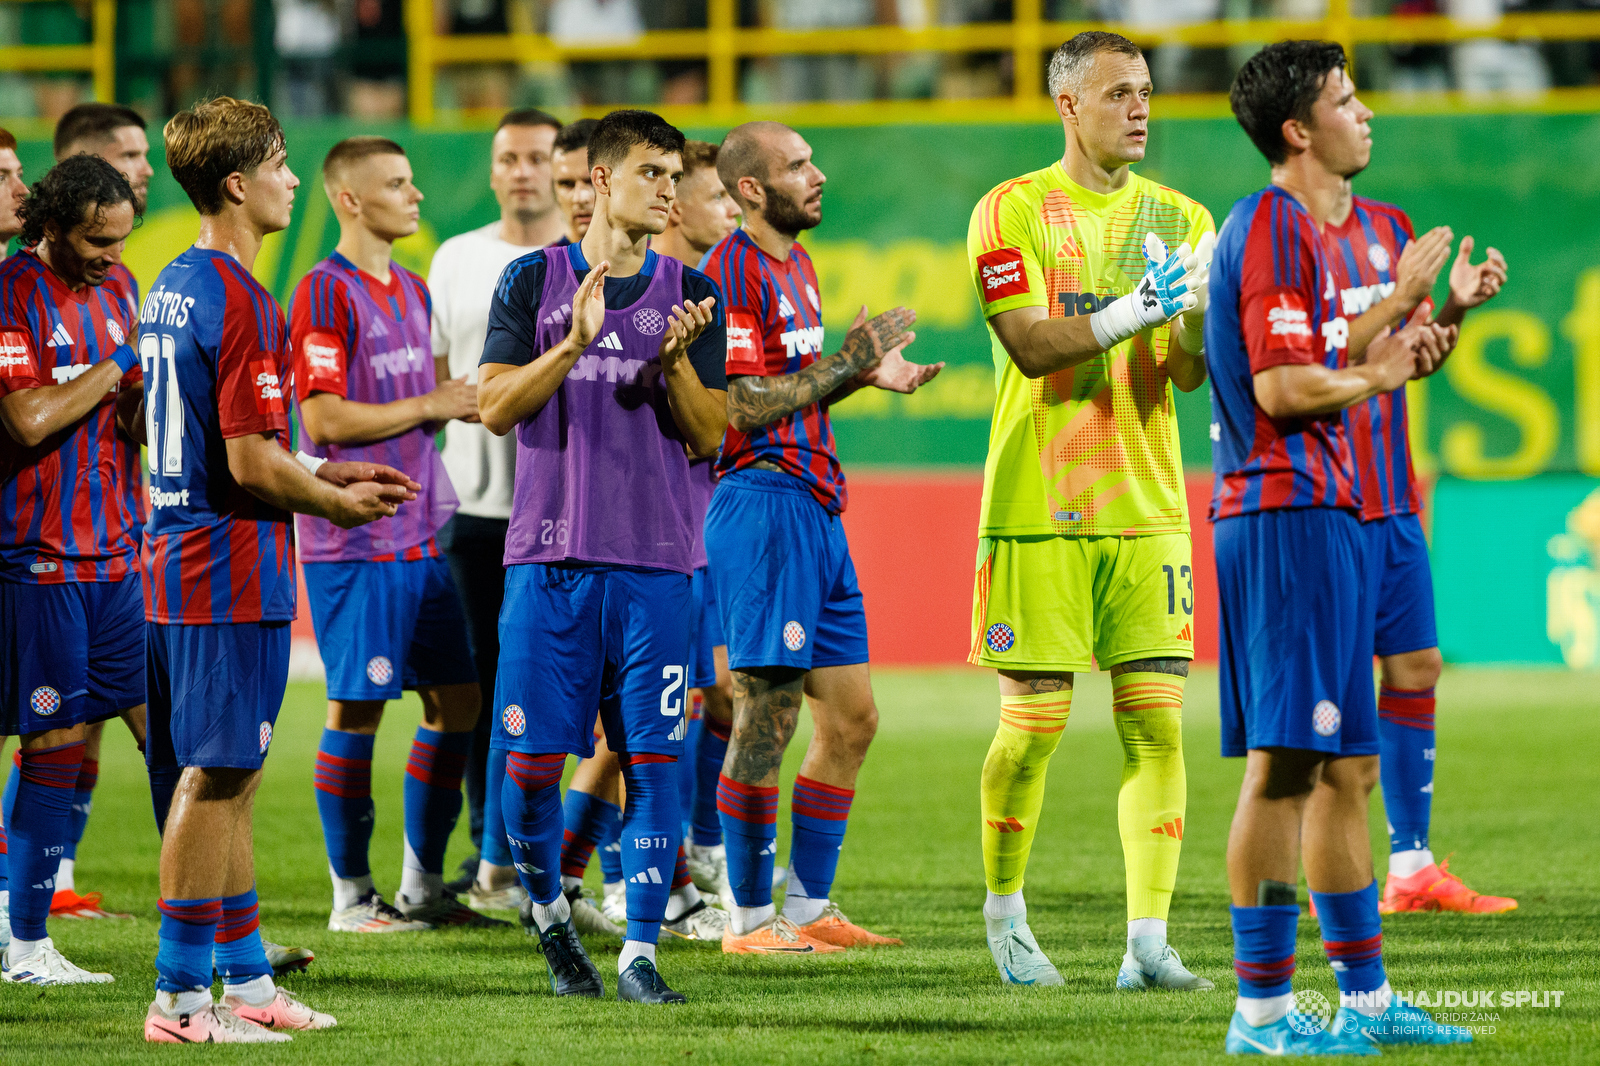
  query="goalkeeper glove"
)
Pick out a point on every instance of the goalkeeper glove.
point(1167, 289)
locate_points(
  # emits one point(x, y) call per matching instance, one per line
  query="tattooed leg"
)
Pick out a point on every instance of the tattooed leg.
point(766, 708)
point(1177, 667)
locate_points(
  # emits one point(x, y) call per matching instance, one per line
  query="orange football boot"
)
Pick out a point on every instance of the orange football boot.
point(68, 904)
point(777, 937)
point(1435, 888)
point(834, 928)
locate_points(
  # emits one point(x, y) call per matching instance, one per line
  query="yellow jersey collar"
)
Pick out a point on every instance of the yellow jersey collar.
point(1098, 202)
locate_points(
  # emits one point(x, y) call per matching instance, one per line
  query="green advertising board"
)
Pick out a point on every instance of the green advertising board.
point(1521, 396)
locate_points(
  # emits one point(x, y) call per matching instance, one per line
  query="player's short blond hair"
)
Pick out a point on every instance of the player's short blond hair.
point(216, 138)
point(698, 155)
point(350, 151)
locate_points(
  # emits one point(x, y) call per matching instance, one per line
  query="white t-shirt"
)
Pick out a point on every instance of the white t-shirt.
point(465, 270)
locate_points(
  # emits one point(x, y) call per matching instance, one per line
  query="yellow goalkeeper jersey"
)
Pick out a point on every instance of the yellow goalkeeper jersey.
point(1091, 450)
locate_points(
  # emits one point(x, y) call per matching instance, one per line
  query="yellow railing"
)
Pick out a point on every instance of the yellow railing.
point(98, 58)
point(723, 43)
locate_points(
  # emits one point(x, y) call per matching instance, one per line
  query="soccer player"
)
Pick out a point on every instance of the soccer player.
point(1296, 636)
point(570, 171)
point(780, 563)
point(461, 279)
point(12, 193)
point(117, 135)
point(1084, 534)
point(219, 566)
point(610, 382)
point(71, 643)
point(702, 215)
point(1383, 274)
point(385, 608)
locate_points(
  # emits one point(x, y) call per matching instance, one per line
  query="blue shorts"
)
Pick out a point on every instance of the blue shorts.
point(215, 691)
point(71, 653)
point(786, 588)
point(1400, 585)
point(705, 634)
point(577, 637)
point(1296, 635)
point(385, 627)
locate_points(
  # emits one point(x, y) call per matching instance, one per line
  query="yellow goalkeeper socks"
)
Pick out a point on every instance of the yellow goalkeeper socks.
point(1148, 710)
point(1013, 782)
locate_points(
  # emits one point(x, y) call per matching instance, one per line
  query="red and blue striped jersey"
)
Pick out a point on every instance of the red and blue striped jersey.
point(1363, 253)
point(215, 350)
point(775, 327)
point(64, 504)
point(133, 486)
point(1273, 303)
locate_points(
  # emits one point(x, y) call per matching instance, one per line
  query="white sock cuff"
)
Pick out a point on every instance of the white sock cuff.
point(747, 919)
point(1009, 905)
point(258, 991)
point(1259, 1012)
point(634, 949)
point(1147, 927)
point(1409, 862)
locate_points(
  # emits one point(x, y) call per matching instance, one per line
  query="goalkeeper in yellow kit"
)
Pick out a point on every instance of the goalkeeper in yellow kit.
point(1093, 283)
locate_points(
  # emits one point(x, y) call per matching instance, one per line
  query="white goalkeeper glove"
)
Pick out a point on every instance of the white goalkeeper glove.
point(1168, 288)
point(1191, 326)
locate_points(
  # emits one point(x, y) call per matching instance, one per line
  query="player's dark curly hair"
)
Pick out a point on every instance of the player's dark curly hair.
point(75, 190)
point(1278, 83)
point(616, 135)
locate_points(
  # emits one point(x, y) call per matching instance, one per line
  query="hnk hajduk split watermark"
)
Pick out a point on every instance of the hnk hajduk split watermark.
point(1476, 1009)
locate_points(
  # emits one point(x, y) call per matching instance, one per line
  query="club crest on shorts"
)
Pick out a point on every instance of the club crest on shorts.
point(794, 636)
point(648, 320)
point(999, 637)
point(45, 701)
point(266, 736)
point(514, 720)
point(1325, 718)
point(379, 670)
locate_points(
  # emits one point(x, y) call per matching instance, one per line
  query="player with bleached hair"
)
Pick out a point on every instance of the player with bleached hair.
point(1092, 279)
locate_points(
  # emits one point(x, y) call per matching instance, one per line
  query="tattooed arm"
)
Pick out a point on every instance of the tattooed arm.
point(755, 401)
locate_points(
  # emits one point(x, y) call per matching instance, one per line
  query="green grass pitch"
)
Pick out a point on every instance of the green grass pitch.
point(1517, 781)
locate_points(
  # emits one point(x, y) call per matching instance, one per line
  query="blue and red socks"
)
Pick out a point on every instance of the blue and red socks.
point(651, 831)
point(749, 816)
point(495, 851)
point(820, 812)
point(46, 780)
point(586, 819)
point(433, 804)
point(1352, 938)
point(530, 802)
point(709, 754)
point(237, 952)
point(344, 803)
point(1405, 765)
point(188, 941)
point(1263, 959)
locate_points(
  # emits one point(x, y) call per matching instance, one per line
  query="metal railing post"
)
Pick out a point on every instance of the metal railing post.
point(420, 69)
point(103, 43)
point(1027, 26)
point(722, 58)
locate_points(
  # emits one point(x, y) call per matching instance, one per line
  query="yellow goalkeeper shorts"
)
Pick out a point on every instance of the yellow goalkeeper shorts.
point(1045, 603)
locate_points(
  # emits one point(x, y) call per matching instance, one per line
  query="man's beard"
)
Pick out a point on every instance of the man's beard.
point(784, 214)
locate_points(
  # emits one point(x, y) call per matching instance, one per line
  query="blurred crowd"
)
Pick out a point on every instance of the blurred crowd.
point(317, 58)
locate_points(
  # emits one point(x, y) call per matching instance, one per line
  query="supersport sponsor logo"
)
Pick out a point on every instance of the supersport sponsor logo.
point(1288, 321)
point(1002, 274)
point(15, 352)
point(268, 388)
point(160, 499)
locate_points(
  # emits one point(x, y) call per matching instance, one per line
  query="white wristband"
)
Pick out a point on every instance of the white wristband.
point(310, 462)
point(1114, 324)
point(1190, 340)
